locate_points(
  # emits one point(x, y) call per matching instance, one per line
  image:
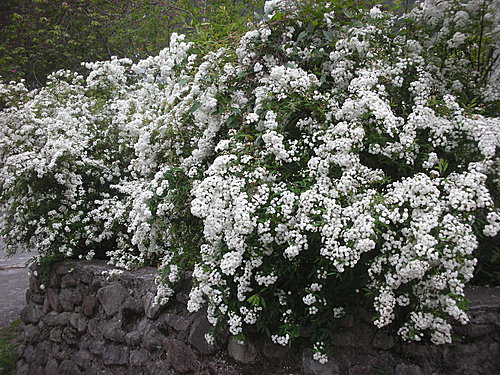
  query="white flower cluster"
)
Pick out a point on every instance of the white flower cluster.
point(319, 353)
point(92, 166)
point(318, 184)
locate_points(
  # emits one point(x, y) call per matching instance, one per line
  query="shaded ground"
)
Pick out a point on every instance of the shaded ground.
point(13, 285)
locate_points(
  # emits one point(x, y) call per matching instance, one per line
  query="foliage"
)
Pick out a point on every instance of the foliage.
point(337, 153)
point(42, 36)
point(217, 23)
point(7, 348)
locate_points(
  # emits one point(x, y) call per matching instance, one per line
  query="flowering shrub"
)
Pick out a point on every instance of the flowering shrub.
point(333, 154)
point(79, 154)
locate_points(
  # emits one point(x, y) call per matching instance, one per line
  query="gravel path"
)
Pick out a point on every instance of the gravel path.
point(13, 284)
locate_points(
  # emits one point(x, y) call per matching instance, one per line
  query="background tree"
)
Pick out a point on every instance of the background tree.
point(41, 36)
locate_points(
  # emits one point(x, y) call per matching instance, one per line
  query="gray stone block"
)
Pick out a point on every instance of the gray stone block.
point(65, 300)
point(363, 370)
point(174, 321)
point(152, 310)
point(53, 300)
point(382, 340)
point(31, 333)
point(181, 357)
point(82, 324)
point(52, 367)
point(115, 355)
point(68, 367)
point(133, 338)
point(138, 357)
point(241, 352)
point(68, 281)
point(70, 335)
point(83, 358)
point(56, 334)
point(112, 330)
point(73, 320)
point(200, 327)
point(89, 306)
point(274, 351)
point(313, 367)
point(32, 314)
point(402, 369)
point(111, 297)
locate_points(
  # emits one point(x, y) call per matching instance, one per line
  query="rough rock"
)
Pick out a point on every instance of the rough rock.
point(112, 330)
point(382, 340)
point(70, 335)
point(474, 331)
point(111, 297)
point(138, 357)
point(89, 306)
point(200, 327)
point(22, 368)
point(363, 370)
point(83, 358)
point(181, 357)
point(82, 324)
point(133, 305)
point(273, 351)
point(152, 310)
point(52, 367)
point(60, 352)
point(97, 346)
point(133, 338)
point(56, 334)
point(31, 333)
point(158, 368)
point(53, 300)
point(68, 282)
point(50, 319)
point(174, 321)
point(241, 352)
point(312, 367)
point(73, 320)
point(115, 355)
point(62, 268)
point(403, 369)
point(355, 337)
point(152, 338)
point(68, 367)
point(33, 313)
point(65, 300)
point(77, 295)
point(62, 319)
point(92, 326)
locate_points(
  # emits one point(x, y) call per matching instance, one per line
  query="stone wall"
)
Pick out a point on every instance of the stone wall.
point(81, 322)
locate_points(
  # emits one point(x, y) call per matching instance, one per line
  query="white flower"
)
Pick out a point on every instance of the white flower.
point(375, 12)
point(281, 340)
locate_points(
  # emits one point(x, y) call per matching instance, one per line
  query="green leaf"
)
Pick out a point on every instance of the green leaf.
point(194, 107)
point(348, 13)
point(302, 35)
point(328, 35)
point(254, 300)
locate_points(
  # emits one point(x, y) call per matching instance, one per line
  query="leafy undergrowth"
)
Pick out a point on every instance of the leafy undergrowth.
point(8, 353)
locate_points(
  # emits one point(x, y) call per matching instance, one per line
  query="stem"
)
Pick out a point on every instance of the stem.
point(481, 32)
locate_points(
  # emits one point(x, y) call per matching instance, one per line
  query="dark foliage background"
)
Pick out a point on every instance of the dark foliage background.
point(38, 37)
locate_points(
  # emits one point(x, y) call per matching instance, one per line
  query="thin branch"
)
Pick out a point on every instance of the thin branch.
point(481, 32)
point(34, 73)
